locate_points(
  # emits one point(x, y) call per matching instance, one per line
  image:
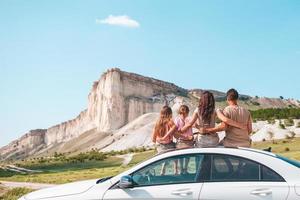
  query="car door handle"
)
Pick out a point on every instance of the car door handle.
point(262, 192)
point(182, 192)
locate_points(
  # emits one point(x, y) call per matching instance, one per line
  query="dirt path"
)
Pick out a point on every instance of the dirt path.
point(126, 158)
point(34, 186)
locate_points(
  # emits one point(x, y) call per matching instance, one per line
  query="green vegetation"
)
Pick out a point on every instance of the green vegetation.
point(58, 169)
point(14, 193)
point(286, 147)
point(67, 176)
point(137, 158)
point(289, 122)
point(276, 113)
point(281, 125)
point(271, 121)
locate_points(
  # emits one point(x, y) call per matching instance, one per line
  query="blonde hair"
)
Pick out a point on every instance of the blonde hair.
point(164, 121)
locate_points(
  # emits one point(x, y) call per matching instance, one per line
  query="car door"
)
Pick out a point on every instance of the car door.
point(237, 178)
point(172, 178)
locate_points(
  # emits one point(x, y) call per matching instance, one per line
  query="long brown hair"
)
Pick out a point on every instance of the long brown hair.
point(164, 120)
point(206, 106)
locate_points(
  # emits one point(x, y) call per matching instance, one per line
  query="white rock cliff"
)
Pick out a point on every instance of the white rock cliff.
point(116, 99)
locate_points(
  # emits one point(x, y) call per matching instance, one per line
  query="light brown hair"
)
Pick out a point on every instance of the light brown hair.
point(183, 109)
point(164, 121)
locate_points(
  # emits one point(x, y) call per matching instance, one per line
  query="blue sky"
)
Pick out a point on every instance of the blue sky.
point(52, 51)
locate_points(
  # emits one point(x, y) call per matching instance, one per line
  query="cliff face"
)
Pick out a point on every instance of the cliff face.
point(28, 144)
point(116, 99)
point(119, 97)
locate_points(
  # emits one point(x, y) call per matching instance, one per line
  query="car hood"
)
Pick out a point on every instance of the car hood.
point(62, 190)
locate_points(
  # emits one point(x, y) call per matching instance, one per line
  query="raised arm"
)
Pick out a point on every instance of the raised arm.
point(190, 124)
point(230, 122)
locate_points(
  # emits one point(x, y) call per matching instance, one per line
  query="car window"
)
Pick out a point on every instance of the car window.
point(268, 174)
point(178, 169)
point(231, 168)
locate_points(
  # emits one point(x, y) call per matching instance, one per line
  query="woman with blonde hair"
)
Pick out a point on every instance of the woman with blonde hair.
point(161, 129)
point(163, 135)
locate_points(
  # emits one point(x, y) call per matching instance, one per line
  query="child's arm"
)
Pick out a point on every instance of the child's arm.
point(190, 124)
point(230, 122)
point(170, 132)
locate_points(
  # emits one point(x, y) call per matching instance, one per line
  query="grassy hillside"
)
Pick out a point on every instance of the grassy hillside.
point(13, 194)
point(64, 172)
point(61, 172)
point(288, 147)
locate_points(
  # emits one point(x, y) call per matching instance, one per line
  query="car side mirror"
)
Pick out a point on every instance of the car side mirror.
point(126, 182)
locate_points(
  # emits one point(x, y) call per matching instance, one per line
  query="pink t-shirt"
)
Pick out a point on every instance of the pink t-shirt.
point(180, 123)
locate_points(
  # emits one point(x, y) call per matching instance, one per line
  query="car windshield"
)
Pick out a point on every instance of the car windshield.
point(292, 162)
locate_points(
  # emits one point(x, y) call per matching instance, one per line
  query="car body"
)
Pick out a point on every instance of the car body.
point(197, 173)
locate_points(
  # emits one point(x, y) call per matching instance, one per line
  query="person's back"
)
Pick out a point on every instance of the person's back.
point(236, 137)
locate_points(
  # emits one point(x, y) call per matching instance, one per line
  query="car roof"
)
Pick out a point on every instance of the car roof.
point(234, 150)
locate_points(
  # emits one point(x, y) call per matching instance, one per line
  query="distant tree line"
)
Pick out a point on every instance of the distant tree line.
point(276, 113)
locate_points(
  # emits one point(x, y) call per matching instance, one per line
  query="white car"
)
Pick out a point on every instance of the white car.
point(198, 173)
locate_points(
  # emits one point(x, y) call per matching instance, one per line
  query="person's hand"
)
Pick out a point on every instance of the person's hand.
point(190, 137)
point(161, 140)
point(203, 131)
point(244, 127)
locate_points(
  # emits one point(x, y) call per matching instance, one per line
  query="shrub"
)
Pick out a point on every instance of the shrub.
point(282, 126)
point(271, 134)
point(289, 122)
point(276, 113)
point(274, 142)
point(271, 121)
point(15, 193)
point(287, 149)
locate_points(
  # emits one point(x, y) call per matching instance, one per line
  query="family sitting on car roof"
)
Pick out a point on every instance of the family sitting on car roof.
point(235, 120)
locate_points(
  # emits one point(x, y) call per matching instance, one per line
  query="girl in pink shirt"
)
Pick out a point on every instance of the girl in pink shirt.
point(184, 139)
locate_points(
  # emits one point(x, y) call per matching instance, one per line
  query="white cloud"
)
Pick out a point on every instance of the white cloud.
point(121, 20)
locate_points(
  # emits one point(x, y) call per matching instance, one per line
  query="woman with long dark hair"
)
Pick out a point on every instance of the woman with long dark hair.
point(206, 115)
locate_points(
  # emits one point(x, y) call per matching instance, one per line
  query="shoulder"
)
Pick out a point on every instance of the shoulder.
point(227, 109)
point(171, 122)
point(245, 110)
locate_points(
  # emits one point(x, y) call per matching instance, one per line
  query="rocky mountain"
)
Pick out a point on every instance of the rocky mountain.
point(122, 108)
